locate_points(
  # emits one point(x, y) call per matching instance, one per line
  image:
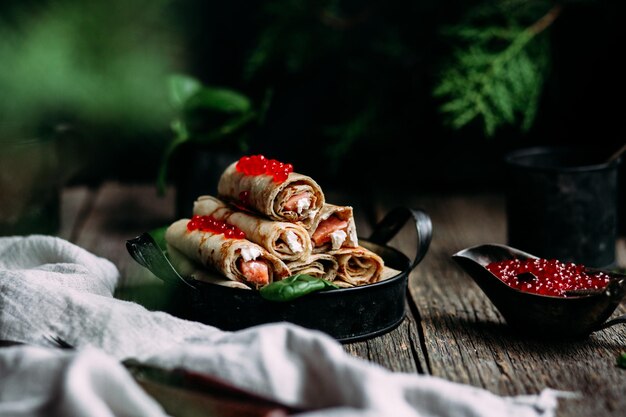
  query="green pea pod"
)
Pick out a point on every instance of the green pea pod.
point(293, 287)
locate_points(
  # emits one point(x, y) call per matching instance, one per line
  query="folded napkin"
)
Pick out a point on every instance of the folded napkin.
point(49, 286)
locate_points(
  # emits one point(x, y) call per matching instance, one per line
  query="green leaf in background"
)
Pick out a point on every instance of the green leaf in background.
point(293, 287)
point(219, 100)
point(181, 87)
point(205, 114)
point(92, 64)
point(621, 360)
point(158, 235)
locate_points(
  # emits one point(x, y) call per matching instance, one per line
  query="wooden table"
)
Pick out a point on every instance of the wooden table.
point(451, 329)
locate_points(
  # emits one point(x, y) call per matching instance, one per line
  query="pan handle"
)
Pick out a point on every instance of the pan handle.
point(391, 224)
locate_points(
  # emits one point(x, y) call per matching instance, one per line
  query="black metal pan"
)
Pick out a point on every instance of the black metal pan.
point(347, 314)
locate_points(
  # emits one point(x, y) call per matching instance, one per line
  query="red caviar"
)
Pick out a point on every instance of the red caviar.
point(244, 196)
point(551, 277)
point(211, 224)
point(260, 165)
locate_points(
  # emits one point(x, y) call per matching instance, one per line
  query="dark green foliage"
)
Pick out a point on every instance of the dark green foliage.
point(497, 70)
point(356, 57)
point(351, 80)
point(89, 63)
point(206, 115)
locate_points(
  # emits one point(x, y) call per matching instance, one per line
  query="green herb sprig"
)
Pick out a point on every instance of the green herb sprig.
point(293, 287)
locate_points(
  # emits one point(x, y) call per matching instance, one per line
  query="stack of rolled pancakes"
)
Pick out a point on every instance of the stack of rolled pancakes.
point(289, 229)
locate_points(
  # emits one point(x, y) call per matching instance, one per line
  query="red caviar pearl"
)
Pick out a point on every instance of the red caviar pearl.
point(280, 176)
point(212, 225)
point(553, 277)
point(244, 197)
point(260, 165)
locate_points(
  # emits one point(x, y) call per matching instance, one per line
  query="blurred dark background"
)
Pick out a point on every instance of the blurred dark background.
point(350, 87)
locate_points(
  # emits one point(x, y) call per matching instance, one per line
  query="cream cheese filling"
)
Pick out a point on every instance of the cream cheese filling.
point(337, 238)
point(293, 242)
point(303, 204)
point(250, 253)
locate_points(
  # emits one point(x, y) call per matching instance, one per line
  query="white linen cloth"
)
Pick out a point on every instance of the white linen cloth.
point(49, 286)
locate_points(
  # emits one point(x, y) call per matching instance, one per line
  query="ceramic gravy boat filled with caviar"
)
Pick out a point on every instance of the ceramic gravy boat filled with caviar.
point(545, 298)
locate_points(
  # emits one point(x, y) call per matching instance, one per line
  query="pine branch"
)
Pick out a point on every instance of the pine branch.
point(497, 86)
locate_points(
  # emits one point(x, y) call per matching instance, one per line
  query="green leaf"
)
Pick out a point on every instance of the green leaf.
point(181, 87)
point(158, 235)
point(179, 127)
point(220, 100)
point(293, 287)
point(236, 123)
point(455, 106)
point(621, 360)
point(461, 119)
point(503, 101)
point(230, 112)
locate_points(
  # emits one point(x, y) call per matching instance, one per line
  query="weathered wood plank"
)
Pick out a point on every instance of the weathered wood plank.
point(399, 350)
point(76, 203)
point(121, 212)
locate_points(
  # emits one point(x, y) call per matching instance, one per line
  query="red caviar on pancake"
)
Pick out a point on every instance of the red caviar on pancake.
point(211, 224)
point(260, 165)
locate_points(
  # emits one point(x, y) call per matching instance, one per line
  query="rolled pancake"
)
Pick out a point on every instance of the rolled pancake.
point(288, 241)
point(329, 216)
point(358, 266)
point(188, 268)
point(320, 265)
point(221, 254)
point(268, 197)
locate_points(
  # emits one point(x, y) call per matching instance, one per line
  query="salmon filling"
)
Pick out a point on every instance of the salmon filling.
point(255, 272)
point(326, 228)
point(299, 202)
